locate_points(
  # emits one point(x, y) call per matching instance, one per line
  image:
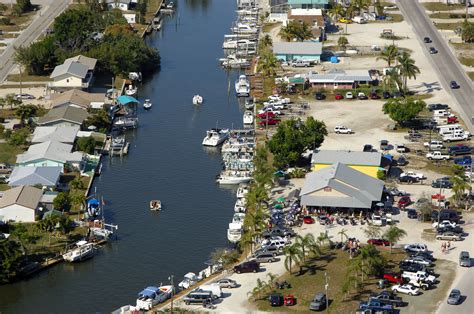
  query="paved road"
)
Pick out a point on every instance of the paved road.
point(34, 30)
point(444, 62)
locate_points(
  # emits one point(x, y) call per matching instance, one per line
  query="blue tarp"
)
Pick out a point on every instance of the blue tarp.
point(149, 292)
point(124, 99)
point(388, 157)
point(334, 59)
point(93, 202)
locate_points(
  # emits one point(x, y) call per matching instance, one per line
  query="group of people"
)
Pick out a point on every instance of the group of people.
point(445, 247)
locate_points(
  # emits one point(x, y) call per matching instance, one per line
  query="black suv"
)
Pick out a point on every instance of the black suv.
point(280, 232)
point(454, 85)
point(432, 107)
point(446, 214)
point(459, 150)
point(276, 299)
point(247, 267)
point(319, 96)
point(442, 183)
point(427, 40)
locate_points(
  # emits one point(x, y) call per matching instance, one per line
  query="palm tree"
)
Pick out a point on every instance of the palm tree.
point(389, 54)
point(460, 185)
point(2, 102)
point(372, 231)
point(323, 238)
point(25, 112)
point(266, 41)
point(286, 33)
point(11, 100)
point(268, 63)
point(257, 290)
point(391, 80)
point(292, 255)
point(407, 68)
point(337, 12)
point(343, 234)
point(306, 244)
point(342, 42)
point(393, 235)
point(370, 261)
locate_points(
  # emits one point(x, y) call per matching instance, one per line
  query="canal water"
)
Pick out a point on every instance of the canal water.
point(167, 162)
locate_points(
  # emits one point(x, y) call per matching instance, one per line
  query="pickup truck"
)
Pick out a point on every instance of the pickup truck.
point(437, 155)
point(420, 284)
point(342, 130)
point(434, 144)
point(270, 109)
point(413, 174)
point(387, 298)
point(393, 278)
point(455, 137)
point(419, 275)
point(376, 306)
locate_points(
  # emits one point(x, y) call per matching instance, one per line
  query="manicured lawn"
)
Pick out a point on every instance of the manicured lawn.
point(4, 187)
point(448, 15)
point(465, 46)
point(448, 26)
point(8, 153)
point(471, 75)
point(269, 26)
point(27, 78)
point(311, 280)
point(439, 6)
point(467, 61)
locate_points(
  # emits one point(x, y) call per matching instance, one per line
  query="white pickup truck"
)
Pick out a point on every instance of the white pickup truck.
point(437, 155)
point(433, 144)
point(419, 275)
point(455, 137)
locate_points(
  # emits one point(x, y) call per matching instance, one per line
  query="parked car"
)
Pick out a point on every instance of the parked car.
point(300, 64)
point(308, 220)
point(375, 306)
point(319, 96)
point(381, 242)
point(247, 267)
point(408, 179)
point(342, 130)
point(459, 150)
point(273, 249)
point(434, 144)
point(264, 257)
point(464, 259)
point(412, 214)
point(280, 232)
point(401, 148)
point(463, 161)
point(454, 297)
point(226, 283)
point(402, 161)
point(397, 192)
point(432, 107)
point(318, 303)
point(269, 121)
point(417, 175)
point(443, 182)
point(443, 224)
point(388, 298)
point(275, 299)
point(446, 214)
point(384, 145)
point(406, 289)
point(374, 95)
point(5, 169)
point(425, 254)
point(450, 236)
point(416, 247)
point(338, 96)
point(437, 155)
point(404, 201)
point(368, 148)
point(386, 95)
point(349, 95)
point(426, 40)
point(23, 96)
point(267, 114)
point(290, 300)
point(454, 85)
point(362, 96)
point(419, 260)
point(412, 267)
point(433, 50)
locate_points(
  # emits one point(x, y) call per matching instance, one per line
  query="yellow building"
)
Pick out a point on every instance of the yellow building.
point(368, 163)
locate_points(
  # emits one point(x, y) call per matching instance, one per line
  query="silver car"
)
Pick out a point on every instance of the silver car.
point(226, 283)
point(454, 297)
point(464, 259)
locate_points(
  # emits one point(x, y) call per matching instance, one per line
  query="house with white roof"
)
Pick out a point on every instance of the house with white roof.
point(50, 154)
point(76, 72)
point(62, 134)
point(343, 79)
point(122, 5)
point(20, 204)
point(306, 50)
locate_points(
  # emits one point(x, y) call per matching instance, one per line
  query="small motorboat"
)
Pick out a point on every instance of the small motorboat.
point(197, 100)
point(147, 104)
point(151, 296)
point(131, 90)
point(81, 251)
point(248, 117)
point(155, 205)
point(189, 280)
point(249, 104)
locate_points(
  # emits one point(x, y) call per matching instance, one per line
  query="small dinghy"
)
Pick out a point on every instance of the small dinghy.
point(147, 104)
point(155, 205)
point(197, 100)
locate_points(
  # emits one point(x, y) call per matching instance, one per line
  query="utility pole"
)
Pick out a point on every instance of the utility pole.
point(326, 286)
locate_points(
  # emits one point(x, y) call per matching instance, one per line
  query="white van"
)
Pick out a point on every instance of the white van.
point(441, 113)
point(300, 64)
point(216, 290)
point(359, 20)
point(446, 129)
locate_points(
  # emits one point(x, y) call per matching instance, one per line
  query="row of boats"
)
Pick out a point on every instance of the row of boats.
point(240, 46)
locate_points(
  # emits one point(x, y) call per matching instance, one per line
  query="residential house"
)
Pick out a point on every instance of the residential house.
point(339, 186)
point(339, 79)
point(50, 154)
point(20, 204)
point(64, 116)
point(48, 177)
point(308, 4)
point(62, 134)
point(76, 72)
point(289, 51)
point(313, 17)
point(366, 162)
point(130, 17)
point(123, 5)
point(78, 98)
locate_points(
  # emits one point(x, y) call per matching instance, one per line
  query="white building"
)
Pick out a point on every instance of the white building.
point(20, 204)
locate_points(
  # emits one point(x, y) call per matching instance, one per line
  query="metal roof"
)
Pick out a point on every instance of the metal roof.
point(76, 97)
point(49, 150)
point(66, 113)
point(65, 134)
point(89, 62)
point(340, 76)
point(47, 176)
point(346, 157)
point(26, 196)
point(358, 190)
point(298, 48)
point(73, 68)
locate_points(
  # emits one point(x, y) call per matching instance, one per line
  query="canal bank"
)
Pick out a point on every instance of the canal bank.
point(166, 162)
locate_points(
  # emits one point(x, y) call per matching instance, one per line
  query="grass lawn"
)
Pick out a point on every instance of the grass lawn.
point(267, 27)
point(471, 75)
point(448, 26)
point(447, 15)
point(439, 6)
point(4, 187)
point(27, 78)
point(465, 46)
point(467, 61)
point(8, 153)
point(311, 279)
point(7, 113)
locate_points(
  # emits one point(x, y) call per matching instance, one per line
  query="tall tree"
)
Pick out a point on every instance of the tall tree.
point(306, 244)
point(460, 186)
point(392, 81)
point(373, 231)
point(296, 30)
point(403, 110)
point(268, 64)
point(293, 255)
point(342, 42)
point(389, 54)
point(25, 112)
point(393, 235)
point(407, 68)
point(343, 234)
point(10, 260)
point(336, 12)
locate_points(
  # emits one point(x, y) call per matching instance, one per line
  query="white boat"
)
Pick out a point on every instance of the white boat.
point(248, 117)
point(81, 251)
point(242, 190)
point(130, 90)
point(197, 100)
point(124, 122)
point(135, 76)
point(238, 218)
point(233, 43)
point(242, 86)
point(155, 205)
point(170, 5)
point(234, 232)
point(151, 296)
point(242, 28)
point(234, 177)
point(231, 61)
point(249, 104)
point(239, 206)
point(189, 280)
point(147, 104)
point(215, 137)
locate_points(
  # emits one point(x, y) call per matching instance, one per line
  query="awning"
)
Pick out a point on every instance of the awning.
point(124, 99)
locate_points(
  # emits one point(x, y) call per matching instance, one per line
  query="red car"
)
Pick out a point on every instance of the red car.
point(339, 96)
point(452, 120)
point(378, 242)
point(290, 300)
point(394, 278)
point(308, 220)
point(404, 201)
point(374, 96)
point(269, 121)
point(267, 114)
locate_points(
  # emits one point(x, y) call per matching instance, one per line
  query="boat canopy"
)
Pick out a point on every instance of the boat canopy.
point(124, 99)
point(93, 202)
point(149, 292)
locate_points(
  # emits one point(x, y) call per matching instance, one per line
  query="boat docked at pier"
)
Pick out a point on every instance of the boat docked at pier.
point(147, 104)
point(131, 90)
point(215, 137)
point(248, 117)
point(188, 280)
point(233, 62)
point(234, 177)
point(81, 251)
point(242, 28)
point(197, 99)
point(151, 296)
point(237, 43)
point(242, 86)
point(242, 190)
point(234, 232)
